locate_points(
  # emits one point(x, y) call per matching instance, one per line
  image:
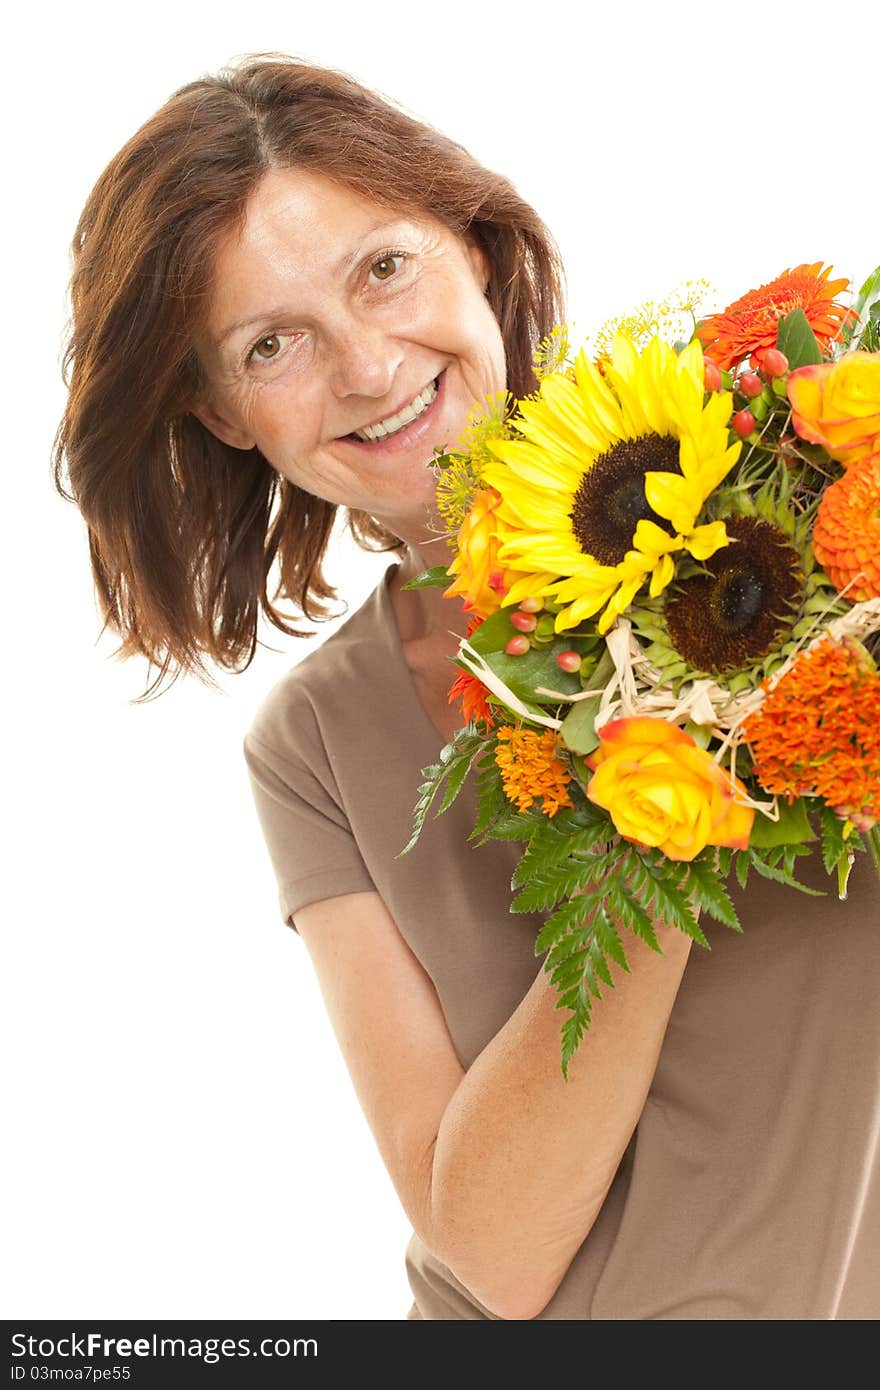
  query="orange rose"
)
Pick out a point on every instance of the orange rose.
point(837, 405)
point(480, 578)
point(662, 790)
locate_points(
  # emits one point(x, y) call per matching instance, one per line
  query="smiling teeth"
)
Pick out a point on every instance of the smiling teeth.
point(417, 406)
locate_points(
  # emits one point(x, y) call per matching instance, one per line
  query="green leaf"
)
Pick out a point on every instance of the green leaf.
point(834, 847)
point(580, 974)
point(700, 733)
point(599, 963)
point(869, 340)
point(436, 578)
point(491, 799)
point(458, 771)
point(867, 306)
point(571, 914)
point(628, 909)
point(565, 961)
point(537, 666)
point(466, 744)
point(771, 871)
point(873, 838)
point(796, 339)
point(606, 935)
point(493, 633)
point(578, 729)
point(551, 844)
point(668, 901)
point(743, 864)
point(792, 828)
point(554, 883)
point(709, 894)
point(547, 847)
point(517, 825)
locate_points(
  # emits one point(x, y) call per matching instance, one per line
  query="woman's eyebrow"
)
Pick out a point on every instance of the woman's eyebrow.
point(340, 268)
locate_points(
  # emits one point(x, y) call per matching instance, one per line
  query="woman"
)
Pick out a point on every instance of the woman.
point(287, 296)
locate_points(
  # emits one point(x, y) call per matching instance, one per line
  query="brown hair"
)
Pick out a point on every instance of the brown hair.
point(183, 529)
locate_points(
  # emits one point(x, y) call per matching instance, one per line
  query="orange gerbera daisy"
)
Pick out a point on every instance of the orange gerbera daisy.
point(818, 732)
point(530, 768)
point(471, 691)
point(749, 325)
point(846, 536)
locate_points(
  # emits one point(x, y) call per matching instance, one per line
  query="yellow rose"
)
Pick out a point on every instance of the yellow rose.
point(837, 405)
point(662, 790)
point(480, 579)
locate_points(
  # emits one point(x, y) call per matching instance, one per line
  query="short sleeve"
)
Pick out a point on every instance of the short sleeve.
point(310, 842)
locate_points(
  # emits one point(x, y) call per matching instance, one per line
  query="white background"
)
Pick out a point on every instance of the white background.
point(182, 1137)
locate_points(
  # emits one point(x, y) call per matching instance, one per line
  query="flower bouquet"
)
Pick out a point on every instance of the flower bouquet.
point(670, 555)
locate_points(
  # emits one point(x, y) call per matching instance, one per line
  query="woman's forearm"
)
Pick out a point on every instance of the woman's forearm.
point(523, 1158)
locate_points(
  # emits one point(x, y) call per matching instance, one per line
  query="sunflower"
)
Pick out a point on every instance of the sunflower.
point(607, 479)
point(748, 326)
point(743, 604)
point(739, 616)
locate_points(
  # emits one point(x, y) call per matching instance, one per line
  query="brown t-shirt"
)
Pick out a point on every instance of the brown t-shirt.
point(751, 1187)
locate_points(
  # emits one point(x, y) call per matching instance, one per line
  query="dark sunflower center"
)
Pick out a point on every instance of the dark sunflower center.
point(739, 598)
point(610, 500)
point(745, 604)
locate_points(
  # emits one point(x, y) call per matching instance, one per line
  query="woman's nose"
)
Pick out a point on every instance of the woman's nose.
point(364, 359)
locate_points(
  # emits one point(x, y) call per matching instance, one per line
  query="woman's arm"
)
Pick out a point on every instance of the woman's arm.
point(524, 1159)
point(503, 1169)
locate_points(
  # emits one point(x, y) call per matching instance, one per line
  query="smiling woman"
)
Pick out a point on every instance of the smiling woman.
point(287, 296)
point(185, 283)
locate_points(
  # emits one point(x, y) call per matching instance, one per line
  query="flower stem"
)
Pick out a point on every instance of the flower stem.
point(873, 838)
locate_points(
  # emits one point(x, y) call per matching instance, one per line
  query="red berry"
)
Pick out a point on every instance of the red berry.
point(711, 375)
point(744, 423)
point(523, 622)
point(774, 362)
point(518, 646)
point(532, 605)
point(569, 661)
point(751, 384)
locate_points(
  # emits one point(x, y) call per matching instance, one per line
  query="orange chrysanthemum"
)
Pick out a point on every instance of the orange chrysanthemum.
point(471, 691)
point(818, 731)
point(846, 536)
point(748, 326)
point(530, 769)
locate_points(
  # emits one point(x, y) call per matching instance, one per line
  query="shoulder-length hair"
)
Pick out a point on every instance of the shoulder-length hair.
point(183, 529)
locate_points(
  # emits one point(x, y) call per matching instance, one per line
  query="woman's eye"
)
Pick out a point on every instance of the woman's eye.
point(386, 266)
point(267, 347)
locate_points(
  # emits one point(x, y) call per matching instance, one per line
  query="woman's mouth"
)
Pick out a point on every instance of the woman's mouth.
point(407, 425)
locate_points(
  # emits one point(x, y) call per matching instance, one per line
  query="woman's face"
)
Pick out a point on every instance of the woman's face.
point(333, 315)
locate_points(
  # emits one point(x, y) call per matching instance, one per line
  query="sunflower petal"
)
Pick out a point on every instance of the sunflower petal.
point(703, 541)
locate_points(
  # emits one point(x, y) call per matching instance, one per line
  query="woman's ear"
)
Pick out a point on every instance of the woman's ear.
point(224, 429)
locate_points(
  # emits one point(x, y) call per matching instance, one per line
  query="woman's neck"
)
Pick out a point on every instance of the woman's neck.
point(424, 615)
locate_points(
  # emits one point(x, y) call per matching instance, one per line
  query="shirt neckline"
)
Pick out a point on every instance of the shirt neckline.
point(395, 641)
